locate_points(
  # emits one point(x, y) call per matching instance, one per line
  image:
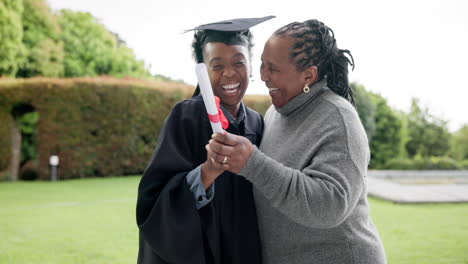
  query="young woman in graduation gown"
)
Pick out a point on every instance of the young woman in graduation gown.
point(188, 211)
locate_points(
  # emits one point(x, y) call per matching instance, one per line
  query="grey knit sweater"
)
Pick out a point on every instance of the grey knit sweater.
point(309, 183)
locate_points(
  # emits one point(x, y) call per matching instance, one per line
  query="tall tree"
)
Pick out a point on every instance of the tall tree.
point(42, 40)
point(459, 146)
point(385, 144)
point(91, 50)
point(124, 63)
point(365, 107)
point(404, 135)
point(87, 44)
point(428, 135)
point(12, 51)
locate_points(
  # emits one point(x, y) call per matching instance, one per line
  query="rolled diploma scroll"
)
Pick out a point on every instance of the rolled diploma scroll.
point(208, 97)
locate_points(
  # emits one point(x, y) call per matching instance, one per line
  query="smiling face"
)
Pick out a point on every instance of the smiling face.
point(279, 73)
point(229, 69)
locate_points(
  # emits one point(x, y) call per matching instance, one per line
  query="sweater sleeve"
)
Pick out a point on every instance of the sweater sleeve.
point(323, 193)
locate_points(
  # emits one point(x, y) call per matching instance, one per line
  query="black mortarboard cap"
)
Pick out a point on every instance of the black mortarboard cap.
point(238, 24)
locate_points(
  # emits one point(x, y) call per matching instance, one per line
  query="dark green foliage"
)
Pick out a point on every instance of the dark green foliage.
point(27, 125)
point(382, 125)
point(427, 163)
point(97, 127)
point(385, 144)
point(404, 137)
point(464, 164)
point(400, 164)
point(366, 108)
point(12, 51)
point(459, 144)
point(428, 135)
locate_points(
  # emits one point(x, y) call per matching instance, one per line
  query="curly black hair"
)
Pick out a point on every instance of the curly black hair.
point(202, 37)
point(314, 44)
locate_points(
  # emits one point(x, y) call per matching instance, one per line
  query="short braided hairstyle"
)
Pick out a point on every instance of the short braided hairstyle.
point(314, 44)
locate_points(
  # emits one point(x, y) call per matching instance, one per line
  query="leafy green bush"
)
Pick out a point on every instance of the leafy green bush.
point(459, 144)
point(443, 163)
point(97, 126)
point(432, 163)
point(400, 164)
point(464, 164)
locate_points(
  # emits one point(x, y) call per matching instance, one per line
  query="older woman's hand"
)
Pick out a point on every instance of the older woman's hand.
point(229, 152)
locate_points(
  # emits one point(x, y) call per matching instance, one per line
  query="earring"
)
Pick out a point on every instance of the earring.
point(306, 88)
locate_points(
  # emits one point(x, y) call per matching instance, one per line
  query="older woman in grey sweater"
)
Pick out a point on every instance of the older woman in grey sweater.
point(309, 172)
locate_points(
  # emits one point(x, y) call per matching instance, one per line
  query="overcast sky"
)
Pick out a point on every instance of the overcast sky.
point(402, 48)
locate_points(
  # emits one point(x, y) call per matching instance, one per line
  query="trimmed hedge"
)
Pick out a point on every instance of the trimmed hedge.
point(107, 126)
point(5, 140)
point(98, 127)
point(259, 103)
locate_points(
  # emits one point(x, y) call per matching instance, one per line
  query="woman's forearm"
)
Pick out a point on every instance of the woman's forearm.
point(318, 196)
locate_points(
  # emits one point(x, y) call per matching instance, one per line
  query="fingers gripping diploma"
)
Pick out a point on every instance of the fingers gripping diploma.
point(228, 151)
point(211, 169)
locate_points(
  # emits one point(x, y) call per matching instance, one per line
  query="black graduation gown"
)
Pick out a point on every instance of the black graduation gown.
point(172, 230)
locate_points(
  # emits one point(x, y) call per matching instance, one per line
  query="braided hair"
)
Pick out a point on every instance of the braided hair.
point(314, 44)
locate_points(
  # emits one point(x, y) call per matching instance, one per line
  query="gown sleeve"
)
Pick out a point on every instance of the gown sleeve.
point(202, 197)
point(167, 216)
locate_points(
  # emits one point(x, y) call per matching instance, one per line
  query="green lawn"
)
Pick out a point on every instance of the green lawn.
point(93, 222)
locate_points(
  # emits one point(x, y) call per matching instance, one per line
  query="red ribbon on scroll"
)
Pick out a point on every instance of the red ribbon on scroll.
point(220, 117)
